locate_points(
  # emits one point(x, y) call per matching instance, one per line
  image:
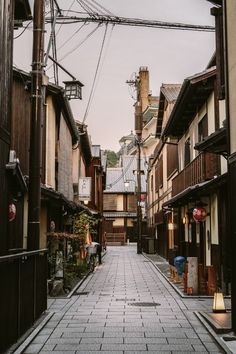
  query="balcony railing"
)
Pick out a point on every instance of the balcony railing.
point(204, 167)
point(23, 293)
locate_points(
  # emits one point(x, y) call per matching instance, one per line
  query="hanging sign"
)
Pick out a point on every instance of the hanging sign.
point(85, 188)
point(199, 214)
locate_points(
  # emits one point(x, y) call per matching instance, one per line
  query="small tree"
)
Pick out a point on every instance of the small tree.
point(82, 222)
point(112, 158)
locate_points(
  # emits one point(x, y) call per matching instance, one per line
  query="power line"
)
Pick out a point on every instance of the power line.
point(95, 76)
point(137, 22)
point(82, 42)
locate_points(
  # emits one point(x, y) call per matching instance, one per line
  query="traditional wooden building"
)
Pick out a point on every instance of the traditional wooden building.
point(162, 168)
point(23, 273)
point(200, 185)
point(120, 201)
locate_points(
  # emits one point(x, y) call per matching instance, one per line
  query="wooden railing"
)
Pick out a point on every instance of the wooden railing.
point(23, 293)
point(204, 167)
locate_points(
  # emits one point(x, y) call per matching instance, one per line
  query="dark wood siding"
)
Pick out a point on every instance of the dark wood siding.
point(159, 174)
point(21, 123)
point(132, 203)
point(110, 202)
point(6, 32)
point(172, 159)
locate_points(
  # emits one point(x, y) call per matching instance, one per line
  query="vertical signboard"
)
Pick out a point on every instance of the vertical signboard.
point(85, 188)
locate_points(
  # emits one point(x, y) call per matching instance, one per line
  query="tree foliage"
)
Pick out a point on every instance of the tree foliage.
point(112, 158)
point(82, 221)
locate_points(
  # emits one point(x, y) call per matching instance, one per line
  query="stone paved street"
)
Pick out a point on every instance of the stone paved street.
point(125, 307)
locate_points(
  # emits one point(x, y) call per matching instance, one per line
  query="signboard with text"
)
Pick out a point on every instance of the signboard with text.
point(85, 188)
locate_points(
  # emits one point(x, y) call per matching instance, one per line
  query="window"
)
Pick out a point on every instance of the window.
point(159, 174)
point(203, 128)
point(172, 159)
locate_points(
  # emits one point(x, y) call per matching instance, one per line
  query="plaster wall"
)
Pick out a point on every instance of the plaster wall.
point(50, 144)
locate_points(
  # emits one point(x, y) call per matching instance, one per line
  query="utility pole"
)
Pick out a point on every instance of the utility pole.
point(36, 126)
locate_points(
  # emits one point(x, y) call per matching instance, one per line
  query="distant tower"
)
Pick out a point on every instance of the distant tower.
point(143, 87)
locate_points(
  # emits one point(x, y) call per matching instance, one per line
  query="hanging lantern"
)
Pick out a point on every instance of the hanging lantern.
point(73, 89)
point(199, 214)
point(12, 212)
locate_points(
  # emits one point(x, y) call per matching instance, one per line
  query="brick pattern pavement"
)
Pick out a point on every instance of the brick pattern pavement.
point(117, 314)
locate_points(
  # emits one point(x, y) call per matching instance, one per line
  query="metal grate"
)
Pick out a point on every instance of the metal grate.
point(145, 304)
point(81, 293)
point(125, 299)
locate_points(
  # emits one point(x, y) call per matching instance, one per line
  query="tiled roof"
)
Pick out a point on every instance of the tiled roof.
point(170, 91)
point(117, 176)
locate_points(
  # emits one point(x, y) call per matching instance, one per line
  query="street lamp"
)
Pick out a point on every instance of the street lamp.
point(73, 89)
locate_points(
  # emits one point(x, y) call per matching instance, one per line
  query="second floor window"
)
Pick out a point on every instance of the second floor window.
point(203, 128)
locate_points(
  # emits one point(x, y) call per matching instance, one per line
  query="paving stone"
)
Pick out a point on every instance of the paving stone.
point(107, 320)
point(49, 347)
point(171, 347)
point(110, 347)
point(106, 340)
point(141, 340)
point(85, 347)
point(33, 348)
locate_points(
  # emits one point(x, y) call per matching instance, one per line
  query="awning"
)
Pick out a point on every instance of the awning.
point(14, 170)
point(194, 192)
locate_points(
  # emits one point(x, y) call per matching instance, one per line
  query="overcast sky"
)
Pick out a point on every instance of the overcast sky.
point(170, 56)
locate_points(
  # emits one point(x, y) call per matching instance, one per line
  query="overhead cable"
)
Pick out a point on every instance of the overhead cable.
point(95, 76)
point(82, 42)
point(137, 22)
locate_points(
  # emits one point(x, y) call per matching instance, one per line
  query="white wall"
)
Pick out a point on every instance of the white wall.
point(50, 144)
point(120, 206)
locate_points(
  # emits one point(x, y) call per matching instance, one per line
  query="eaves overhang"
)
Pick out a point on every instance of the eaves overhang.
point(22, 10)
point(195, 192)
point(58, 94)
point(51, 195)
point(215, 143)
point(14, 170)
point(194, 92)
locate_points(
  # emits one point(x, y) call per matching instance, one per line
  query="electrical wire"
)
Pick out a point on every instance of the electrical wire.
point(137, 22)
point(88, 9)
point(82, 42)
point(103, 8)
point(103, 60)
point(95, 76)
point(66, 15)
point(25, 28)
point(70, 38)
point(123, 172)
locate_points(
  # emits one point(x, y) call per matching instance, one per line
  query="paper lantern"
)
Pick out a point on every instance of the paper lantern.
point(12, 212)
point(199, 214)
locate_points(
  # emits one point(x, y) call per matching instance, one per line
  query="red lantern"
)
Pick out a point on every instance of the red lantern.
point(12, 212)
point(199, 214)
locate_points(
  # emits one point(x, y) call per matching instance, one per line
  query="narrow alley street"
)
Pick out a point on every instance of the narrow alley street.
point(126, 306)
